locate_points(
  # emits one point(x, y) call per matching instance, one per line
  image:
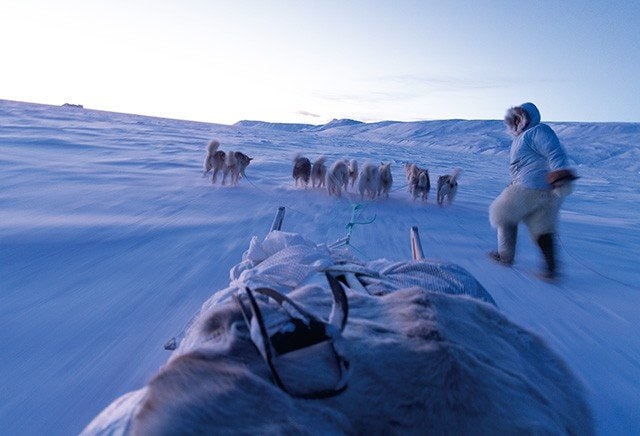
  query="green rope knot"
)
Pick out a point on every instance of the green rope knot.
point(357, 209)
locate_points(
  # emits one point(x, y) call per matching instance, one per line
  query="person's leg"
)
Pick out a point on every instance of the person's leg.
point(546, 244)
point(542, 226)
point(506, 211)
point(507, 236)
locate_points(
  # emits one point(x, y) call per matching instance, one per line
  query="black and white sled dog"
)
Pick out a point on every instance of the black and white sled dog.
point(319, 172)
point(235, 164)
point(448, 187)
point(386, 179)
point(369, 181)
point(230, 163)
point(419, 182)
point(301, 170)
point(338, 178)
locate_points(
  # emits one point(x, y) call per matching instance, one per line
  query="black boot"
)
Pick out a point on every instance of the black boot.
point(545, 242)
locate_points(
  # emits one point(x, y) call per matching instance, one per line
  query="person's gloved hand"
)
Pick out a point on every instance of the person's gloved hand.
point(562, 181)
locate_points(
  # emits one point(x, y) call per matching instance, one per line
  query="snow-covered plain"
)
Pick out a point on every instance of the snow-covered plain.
point(110, 241)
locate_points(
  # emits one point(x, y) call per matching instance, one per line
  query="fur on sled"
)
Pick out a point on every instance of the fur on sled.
point(421, 363)
point(428, 353)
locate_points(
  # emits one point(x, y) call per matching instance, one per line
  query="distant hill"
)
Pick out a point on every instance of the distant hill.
point(299, 127)
point(288, 127)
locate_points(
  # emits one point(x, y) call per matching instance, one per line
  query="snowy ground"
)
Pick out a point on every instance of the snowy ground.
point(110, 240)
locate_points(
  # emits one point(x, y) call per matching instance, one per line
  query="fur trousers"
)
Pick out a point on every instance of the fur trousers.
point(538, 209)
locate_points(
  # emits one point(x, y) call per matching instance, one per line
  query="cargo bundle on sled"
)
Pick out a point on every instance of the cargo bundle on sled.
point(307, 338)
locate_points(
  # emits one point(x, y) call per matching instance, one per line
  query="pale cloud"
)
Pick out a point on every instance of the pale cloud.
point(449, 82)
point(308, 114)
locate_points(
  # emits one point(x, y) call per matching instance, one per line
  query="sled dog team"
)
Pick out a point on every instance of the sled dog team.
point(232, 163)
point(342, 175)
point(371, 181)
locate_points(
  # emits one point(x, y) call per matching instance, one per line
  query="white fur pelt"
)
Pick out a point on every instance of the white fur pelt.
point(447, 187)
point(423, 360)
point(516, 120)
point(422, 363)
point(301, 170)
point(369, 181)
point(338, 178)
point(386, 180)
point(353, 171)
point(538, 209)
point(319, 172)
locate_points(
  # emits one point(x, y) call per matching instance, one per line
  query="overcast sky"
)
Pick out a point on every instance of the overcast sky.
point(314, 60)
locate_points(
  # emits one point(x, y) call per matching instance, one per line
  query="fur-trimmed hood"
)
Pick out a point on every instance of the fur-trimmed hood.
point(523, 117)
point(533, 112)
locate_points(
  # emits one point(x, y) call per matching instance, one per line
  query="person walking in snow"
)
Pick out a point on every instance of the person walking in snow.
point(540, 179)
